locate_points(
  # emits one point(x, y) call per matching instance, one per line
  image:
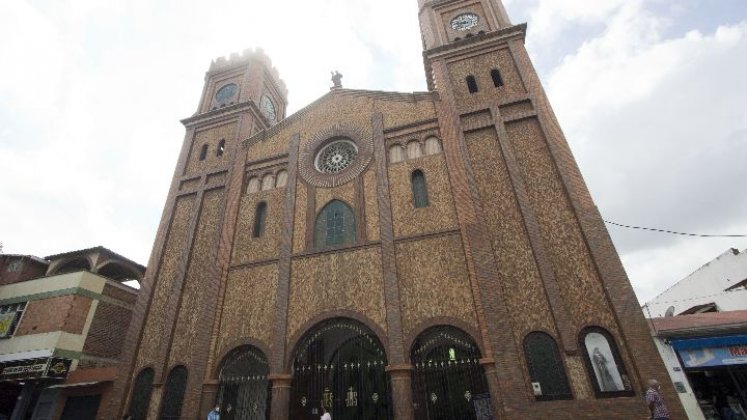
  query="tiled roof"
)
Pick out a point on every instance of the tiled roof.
point(711, 321)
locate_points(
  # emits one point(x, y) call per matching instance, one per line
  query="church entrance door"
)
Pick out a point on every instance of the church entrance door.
point(448, 381)
point(340, 364)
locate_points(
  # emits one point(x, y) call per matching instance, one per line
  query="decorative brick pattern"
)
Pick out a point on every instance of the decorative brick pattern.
point(247, 248)
point(434, 281)
point(370, 198)
point(439, 215)
point(349, 280)
point(524, 291)
point(249, 306)
point(516, 109)
point(209, 137)
point(155, 329)
point(479, 66)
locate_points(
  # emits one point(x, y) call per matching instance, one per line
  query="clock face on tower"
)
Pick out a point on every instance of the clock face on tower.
point(226, 93)
point(268, 108)
point(464, 21)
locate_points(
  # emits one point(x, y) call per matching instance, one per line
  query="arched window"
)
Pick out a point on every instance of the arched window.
point(413, 150)
point(546, 368)
point(260, 216)
point(203, 152)
point(141, 390)
point(221, 148)
point(604, 364)
point(268, 182)
point(335, 225)
point(176, 384)
point(254, 185)
point(448, 381)
point(497, 79)
point(396, 154)
point(282, 179)
point(432, 146)
point(244, 385)
point(419, 189)
point(472, 84)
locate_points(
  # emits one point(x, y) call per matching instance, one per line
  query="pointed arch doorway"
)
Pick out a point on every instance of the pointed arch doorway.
point(340, 363)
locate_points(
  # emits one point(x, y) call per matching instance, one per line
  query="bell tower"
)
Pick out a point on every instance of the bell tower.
point(526, 215)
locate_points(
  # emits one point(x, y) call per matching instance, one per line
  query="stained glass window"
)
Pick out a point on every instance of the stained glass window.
point(171, 406)
point(419, 190)
point(260, 216)
point(546, 368)
point(141, 390)
point(336, 156)
point(335, 225)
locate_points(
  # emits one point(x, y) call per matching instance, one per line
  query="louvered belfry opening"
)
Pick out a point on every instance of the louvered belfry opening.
point(340, 364)
point(448, 380)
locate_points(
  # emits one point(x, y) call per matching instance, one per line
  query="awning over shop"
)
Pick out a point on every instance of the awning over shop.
point(699, 343)
point(74, 385)
point(712, 351)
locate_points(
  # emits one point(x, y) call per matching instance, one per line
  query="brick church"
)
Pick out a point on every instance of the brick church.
point(386, 255)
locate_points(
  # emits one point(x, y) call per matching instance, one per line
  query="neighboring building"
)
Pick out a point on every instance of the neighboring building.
point(707, 359)
point(431, 255)
point(718, 286)
point(700, 329)
point(62, 323)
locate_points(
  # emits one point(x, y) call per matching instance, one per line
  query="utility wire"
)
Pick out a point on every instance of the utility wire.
point(697, 235)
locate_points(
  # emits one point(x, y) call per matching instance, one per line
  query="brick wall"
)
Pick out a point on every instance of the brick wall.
point(107, 331)
point(62, 313)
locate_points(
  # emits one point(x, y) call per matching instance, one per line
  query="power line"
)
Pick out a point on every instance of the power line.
point(672, 232)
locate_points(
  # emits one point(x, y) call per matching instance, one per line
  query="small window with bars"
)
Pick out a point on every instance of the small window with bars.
point(10, 316)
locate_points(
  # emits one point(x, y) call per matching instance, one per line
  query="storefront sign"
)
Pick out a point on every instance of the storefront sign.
point(714, 356)
point(44, 367)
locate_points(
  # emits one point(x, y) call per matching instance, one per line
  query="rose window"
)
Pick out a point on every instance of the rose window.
point(336, 156)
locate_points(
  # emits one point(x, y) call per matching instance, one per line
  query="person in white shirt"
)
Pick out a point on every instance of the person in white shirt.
point(325, 414)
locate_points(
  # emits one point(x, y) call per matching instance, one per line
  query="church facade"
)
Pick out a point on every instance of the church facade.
point(385, 255)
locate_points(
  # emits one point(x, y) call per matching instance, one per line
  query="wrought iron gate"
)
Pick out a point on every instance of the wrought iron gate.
point(340, 364)
point(244, 387)
point(448, 381)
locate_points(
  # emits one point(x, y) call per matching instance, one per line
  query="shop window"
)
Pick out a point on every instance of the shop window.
point(260, 216)
point(497, 79)
point(10, 316)
point(173, 397)
point(221, 148)
point(546, 370)
point(419, 189)
point(472, 84)
point(604, 364)
point(203, 151)
point(141, 391)
point(335, 225)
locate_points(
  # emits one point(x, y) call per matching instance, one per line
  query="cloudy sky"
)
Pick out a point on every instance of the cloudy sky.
point(652, 96)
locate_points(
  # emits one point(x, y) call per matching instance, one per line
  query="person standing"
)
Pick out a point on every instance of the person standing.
point(325, 414)
point(655, 403)
point(214, 414)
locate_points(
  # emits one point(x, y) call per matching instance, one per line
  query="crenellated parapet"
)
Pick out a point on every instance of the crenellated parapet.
point(249, 54)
